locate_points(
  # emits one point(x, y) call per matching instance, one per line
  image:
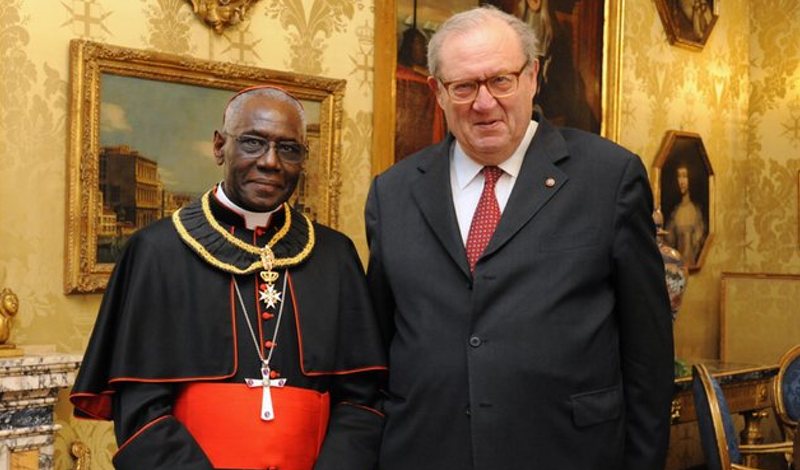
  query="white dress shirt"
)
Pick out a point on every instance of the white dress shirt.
point(466, 180)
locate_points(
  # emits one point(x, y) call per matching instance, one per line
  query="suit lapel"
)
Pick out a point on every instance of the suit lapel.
point(433, 195)
point(531, 191)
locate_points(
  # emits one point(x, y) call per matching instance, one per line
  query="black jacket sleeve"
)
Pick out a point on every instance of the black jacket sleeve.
point(356, 423)
point(645, 324)
point(148, 435)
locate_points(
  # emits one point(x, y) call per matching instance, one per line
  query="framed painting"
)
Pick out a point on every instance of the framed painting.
point(140, 145)
point(688, 23)
point(683, 188)
point(580, 67)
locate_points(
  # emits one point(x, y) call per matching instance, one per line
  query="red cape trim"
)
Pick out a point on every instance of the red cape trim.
point(300, 346)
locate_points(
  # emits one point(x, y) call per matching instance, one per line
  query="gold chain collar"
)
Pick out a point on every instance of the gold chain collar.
point(266, 258)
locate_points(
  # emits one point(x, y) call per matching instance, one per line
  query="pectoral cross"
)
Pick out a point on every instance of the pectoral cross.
point(267, 412)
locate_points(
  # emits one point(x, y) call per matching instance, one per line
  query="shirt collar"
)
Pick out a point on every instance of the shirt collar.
point(252, 220)
point(467, 169)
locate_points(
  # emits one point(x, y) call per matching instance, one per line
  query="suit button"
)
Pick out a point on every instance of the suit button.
point(475, 341)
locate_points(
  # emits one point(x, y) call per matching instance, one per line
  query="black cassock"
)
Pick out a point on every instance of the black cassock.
point(171, 333)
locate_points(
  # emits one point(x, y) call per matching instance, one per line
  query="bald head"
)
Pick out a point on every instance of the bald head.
point(236, 103)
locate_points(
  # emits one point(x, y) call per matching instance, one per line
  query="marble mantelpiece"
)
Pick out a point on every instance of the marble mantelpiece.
point(29, 386)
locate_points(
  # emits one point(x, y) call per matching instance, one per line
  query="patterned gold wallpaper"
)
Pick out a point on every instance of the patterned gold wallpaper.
point(671, 88)
point(741, 93)
point(773, 162)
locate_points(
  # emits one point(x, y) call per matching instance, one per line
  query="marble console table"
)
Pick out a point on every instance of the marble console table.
point(29, 386)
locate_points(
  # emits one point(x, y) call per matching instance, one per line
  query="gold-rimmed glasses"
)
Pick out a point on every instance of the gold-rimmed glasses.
point(254, 146)
point(499, 86)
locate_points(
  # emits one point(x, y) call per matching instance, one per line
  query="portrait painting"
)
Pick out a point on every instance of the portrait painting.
point(683, 190)
point(579, 44)
point(419, 122)
point(570, 48)
point(142, 127)
point(688, 23)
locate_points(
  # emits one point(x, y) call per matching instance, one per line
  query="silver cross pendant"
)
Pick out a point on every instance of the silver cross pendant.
point(267, 411)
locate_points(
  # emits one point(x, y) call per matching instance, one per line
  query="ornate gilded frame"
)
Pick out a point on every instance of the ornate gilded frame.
point(681, 148)
point(91, 61)
point(384, 96)
point(688, 29)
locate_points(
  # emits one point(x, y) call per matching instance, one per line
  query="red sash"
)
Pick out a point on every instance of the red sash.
point(224, 420)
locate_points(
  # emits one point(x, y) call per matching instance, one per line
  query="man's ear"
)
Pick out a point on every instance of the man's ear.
point(219, 142)
point(535, 67)
point(534, 71)
point(433, 84)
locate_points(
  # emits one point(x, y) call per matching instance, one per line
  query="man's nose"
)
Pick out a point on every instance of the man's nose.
point(269, 159)
point(483, 99)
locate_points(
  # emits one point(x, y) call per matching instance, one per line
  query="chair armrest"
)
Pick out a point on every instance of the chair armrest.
point(736, 466)
point(772, 448)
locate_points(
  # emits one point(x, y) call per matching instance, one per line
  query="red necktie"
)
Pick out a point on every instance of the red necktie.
point(486, 217)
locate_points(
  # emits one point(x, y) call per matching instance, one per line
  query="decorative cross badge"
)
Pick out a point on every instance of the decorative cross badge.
point(267, 411)
point(269, 295)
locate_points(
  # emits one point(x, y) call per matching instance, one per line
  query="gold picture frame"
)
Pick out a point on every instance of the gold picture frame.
point(385, 92)
point(688, 23)
point(159, 111)
point(683, 190)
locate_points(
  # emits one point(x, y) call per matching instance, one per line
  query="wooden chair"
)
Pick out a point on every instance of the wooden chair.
point(717, 433)
point(797, 447)
point(786, 393)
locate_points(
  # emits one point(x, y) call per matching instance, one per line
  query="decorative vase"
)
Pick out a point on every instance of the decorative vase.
point(676, 276)
point(675, 270)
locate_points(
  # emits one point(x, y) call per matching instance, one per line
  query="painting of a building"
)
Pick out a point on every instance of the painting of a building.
point(131, 197)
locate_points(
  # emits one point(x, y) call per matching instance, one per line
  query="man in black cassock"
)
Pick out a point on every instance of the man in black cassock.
point(238, 333)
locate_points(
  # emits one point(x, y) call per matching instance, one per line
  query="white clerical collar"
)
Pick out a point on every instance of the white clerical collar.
point(252, 220)
point(467, 169)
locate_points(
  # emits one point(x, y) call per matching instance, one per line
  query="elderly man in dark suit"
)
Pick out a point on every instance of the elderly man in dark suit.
point(517, 275)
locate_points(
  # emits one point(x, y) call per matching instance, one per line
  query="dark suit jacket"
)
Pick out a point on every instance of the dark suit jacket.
point(557, 353)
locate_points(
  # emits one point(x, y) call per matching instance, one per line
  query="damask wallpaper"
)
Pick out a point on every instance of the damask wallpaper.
point(671, 88)
point(741, 93)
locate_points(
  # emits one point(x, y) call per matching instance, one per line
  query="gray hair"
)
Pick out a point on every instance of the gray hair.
point(475, 18)
point(238, 100)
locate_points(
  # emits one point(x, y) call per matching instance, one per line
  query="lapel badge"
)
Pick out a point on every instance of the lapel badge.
point(550, 182)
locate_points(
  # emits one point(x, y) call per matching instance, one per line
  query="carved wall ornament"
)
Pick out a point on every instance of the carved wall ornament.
point(219, 14)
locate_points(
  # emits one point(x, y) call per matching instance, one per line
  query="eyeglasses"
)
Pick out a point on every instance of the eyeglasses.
point(499, 86)
point(253, 146)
